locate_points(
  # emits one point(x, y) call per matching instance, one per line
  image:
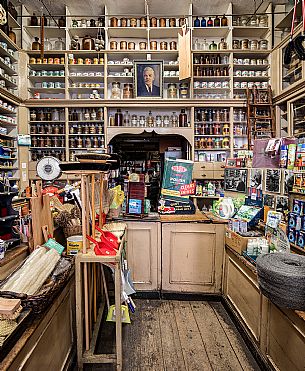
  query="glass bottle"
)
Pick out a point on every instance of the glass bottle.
point(166, 121)
point(33, 115)
point(213, 46)
point(210, 22)
point(47, 44)
point(174, 120)
point(226, 129)
point(224, 21)
point(87, 114)
point(222, 45)
point(217, 21)
point(59, 44)
point(93, 114)
point(134, 120)
point(197, 22)
point(158, 121)
point(116, 90)
point(36, 44)
point(118, 118)
point(74, 116)
point(62, 22)
point(126, 119)
point(182, 118)
point(150, 120)
point(203, 22)
point(196, 45)
point(34, 20)
point(205, 45)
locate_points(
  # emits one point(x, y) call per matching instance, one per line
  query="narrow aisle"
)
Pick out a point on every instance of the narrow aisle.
point(182, 335)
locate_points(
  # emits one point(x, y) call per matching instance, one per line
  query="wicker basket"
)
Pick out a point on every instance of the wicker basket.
point(39, 302)
point(73, 230)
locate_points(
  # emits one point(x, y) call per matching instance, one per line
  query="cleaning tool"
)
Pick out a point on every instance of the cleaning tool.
point(291, 47)
point(124, 314)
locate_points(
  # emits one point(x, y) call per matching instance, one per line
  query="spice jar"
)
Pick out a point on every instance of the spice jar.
point(113, 45)
point(133, 22)
point(163, 45)
point(113, 22)
point(32, 60)
point(143, 22)
point(236, 44)
point(244, 44)
point(173, 45)
point(123, 45)
point(226, 129)
point(263, 44)
point(128, 91)
point(153, 22)
point(182, 21)
point(253, 44)
point(162, 22)
point(153, 45)
point(143, 45)
point(172, 91)
point(116, 90)
point(131, 46)
point(123, 22)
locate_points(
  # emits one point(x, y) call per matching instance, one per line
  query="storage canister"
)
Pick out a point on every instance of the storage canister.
point(253, 44)
point(143, 22)
point(153, 45)
point(113, 45)
point(32, 60)
point(113, 22)
point(123, 45)
point(182, 21)
point(153, 22)
point(263, 44)
point(172, 22)
point(131, 45)
point(172, 91)
point(162, 22)
point(236, 44)
point(173, 45)
point(163, 45)
point(123, 22)
point(142, 45)
point(128, 91)
point(184, 90)
point(244, 44)
point(133, 22)
point(116, 90)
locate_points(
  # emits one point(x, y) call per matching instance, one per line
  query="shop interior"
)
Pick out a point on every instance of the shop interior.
point(152, 185)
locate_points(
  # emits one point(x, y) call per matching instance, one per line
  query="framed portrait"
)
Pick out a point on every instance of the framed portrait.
point(256, 178)
point(269, 200)
point(273, 180)
point(148, 79)
point(281, 204)
point(236, 180)
point(287, 181)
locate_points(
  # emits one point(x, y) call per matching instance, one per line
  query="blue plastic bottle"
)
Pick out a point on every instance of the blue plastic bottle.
point(203, 22)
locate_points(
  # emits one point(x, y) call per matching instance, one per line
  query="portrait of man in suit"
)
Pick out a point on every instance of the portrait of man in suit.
point(148, 80)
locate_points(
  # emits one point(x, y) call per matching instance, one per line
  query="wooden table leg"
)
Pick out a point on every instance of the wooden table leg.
point(78, 315)
point(118, 324)
point(86, 305)
point(84, 222)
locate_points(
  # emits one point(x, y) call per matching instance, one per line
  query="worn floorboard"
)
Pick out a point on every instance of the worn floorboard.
point(167, 335)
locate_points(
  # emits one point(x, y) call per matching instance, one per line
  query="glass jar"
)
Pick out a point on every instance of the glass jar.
point(134, 121)
point(244, 44)
point(174, 120)
point(142, 45)
point(263, 21)
point(183, 90)
point(12, 35)
point(59, 44)
point(150, 120)
point(158, 121)
point(116, 90)
point(197, 22)
point(143, 22)
point(163, 45)
point(113, 45)
point(133, 22)
point(131, 46)
point(226, 129)
point(33, 115)
point(142, 121)
point(88, 43)
point(123, 22)
point(153, 22)
point(183, 119)
point(126, 119)
point(226, 142)
point(172, 91)
point(236, 44)
point(222, 45)
point(213, 46)
point(118, 118)
point(113, 22)
point(36, 44)
point(165, 121)
point(172, 22)
point(173, 45)
point(224, 21)
point(123, 45)
point(263, 44)
point(128, 91)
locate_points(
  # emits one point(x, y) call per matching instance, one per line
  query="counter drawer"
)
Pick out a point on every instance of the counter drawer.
point(203, 174)
point(219, 174)
point(199, 166)
point(219, 166)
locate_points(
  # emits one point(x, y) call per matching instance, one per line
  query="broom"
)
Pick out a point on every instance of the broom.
point(298, 42)
point(291, 46)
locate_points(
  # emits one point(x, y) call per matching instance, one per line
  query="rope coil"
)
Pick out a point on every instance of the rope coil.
point(281, 278)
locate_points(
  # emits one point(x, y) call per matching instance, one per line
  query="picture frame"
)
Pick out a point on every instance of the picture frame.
point(256, 179)
point(281, 204)
point(273, 180)
point(148, 79)
point(236, 180)
point(287, 180)
point(269, 200)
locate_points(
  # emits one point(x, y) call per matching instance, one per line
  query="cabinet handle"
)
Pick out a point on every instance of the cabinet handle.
point(204, 175)
point(202, 167)
point(222, 166)
point(222, 175)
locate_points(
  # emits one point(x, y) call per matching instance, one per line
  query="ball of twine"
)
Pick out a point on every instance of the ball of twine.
point(281, 278)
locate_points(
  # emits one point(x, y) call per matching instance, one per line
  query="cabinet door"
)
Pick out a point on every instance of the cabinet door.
point(192, 257)
point(143, 254)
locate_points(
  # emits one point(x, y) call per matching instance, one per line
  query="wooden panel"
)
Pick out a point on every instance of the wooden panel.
point(199, 166)
point(143, 253)
point(285, 341)
point(219, 174)
point(191, 257)
point(203, 174)
point(244, 294)
point(219, 166)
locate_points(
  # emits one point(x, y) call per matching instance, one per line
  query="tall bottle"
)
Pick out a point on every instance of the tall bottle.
point(118, 118)
point(217, 21)
point(47, 44)
point(224, 21)
point(34, 20)
point(36, 44)
point(213, 46)
point(210, 22)
point(182, 118)
point(203, 22)
point(197, 22)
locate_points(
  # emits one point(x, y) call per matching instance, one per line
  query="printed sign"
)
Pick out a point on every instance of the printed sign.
point(187, 189)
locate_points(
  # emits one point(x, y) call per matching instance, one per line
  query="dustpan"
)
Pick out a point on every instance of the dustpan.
point(102, 247)
point(127, 288)
point(125, 318)
point(108, 238)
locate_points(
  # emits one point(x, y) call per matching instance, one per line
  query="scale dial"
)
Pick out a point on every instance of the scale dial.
point(48, 168)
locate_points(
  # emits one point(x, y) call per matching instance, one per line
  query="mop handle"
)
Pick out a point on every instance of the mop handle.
point(293, 18)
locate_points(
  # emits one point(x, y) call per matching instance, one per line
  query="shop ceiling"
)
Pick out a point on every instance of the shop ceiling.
point(156, 7)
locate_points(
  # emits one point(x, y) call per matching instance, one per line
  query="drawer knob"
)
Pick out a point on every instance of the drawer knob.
point(202, 167)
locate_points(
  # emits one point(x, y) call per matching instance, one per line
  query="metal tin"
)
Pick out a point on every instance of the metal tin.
point(236, 85)
point(253, 44)
point(62, 60)
point(143, 22)
point(153, 22)
point(95, 60)
point(173, 45)
point(32, 60)
point(113, 22)
point(142, 45)
point(163, 45)
point(162, 22)
point(133, 22)
point(38, 61)
point(238, 73)
point(243, 84)
point(131, 45)
point(172, 22)
point(263, 44)
point(236, 44)
point(244, 44)
point(80, 61)
point(123, 45)
point(153, 45)
point(56, 60)
point(113, 45)
point(123, 22)
point(45, 60)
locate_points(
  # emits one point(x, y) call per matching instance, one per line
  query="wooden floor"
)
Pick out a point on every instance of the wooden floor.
point(178, 336)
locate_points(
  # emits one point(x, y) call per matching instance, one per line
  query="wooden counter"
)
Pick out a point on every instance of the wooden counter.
point(278, 334)
point(12, 259)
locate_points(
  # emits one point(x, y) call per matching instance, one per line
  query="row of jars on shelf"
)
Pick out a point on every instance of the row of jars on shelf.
point(250, 84)
point(87, 142)
point(211, 84)
point(246, 44)
point(252, 21)
point(37, 141)
point(86, 61)
point(8, 106)
point(50, 60)
point(212, 115)
point(7, 61)
point(142, 45)
point(8, 119)
point(253, 61)
point(142, 22)
point(44, 73)
point(211, 71)
point(211, 128)
point(211, 22)
point(47, 114)
point(86, 85)
point(204, 45)
point(86, 129)
point(88, 43)
point(3, 45)
point(85, 114)
point(212, 143)
point(38, 154)
point(259, 73)
point(210, 59)
point(165, 121)
point(50, 85)
point(95, 94)
point(209, 157)
point(49, 128)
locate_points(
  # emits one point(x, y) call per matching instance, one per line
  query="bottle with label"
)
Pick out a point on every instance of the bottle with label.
point(36, 44)
point(197, 22)
point(47, 44)
point(126, 119)
point(87, 114)
point(217, 21)
point(213, 46)
point(203, 22)
point(150, 120)
point(211, 189)
point(118, 118)
point(174, 120)
point(210, 22)
point(224, 21)
point(182, 119)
